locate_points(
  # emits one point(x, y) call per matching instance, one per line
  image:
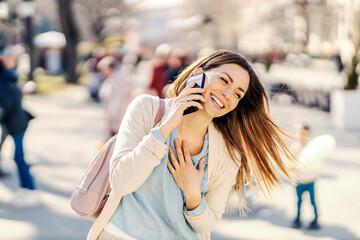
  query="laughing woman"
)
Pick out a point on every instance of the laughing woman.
point(172, 181)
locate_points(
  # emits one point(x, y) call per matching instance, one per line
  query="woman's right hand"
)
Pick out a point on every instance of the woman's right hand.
point(184, 100)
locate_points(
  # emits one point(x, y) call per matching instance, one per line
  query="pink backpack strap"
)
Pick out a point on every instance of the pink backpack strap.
point(160, 112)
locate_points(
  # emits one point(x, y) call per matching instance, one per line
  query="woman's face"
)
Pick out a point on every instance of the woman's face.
point(224, 87)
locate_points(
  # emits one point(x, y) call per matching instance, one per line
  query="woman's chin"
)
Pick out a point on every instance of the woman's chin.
point(213, 113)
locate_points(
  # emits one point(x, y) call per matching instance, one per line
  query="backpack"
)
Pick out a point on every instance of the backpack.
point(91, 194)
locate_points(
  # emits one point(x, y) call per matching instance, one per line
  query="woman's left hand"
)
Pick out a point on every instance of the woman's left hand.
point(187, 177)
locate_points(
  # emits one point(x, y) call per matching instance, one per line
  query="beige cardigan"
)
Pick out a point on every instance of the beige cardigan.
point(137, 153)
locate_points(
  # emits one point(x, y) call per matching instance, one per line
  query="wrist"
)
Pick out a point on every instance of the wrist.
point(192, 201)
point(165, 130)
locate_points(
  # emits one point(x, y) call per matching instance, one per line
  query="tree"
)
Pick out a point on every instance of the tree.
point(71, 34)
point(91, 16)
point(353, 75)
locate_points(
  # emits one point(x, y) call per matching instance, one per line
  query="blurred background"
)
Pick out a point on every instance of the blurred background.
point(76, 59)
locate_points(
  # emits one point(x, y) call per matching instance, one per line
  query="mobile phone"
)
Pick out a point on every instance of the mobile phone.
point(199, 80)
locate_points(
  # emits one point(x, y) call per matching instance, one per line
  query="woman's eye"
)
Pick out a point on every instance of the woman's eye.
point(224, 80)
point(238, 96)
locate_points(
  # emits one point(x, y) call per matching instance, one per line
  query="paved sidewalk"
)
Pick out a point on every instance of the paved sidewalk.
point(63, 139)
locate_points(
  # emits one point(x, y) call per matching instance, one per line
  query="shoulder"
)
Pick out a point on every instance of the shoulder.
point(146, 98)
point(145, 102)
point(149, 102)
point(143, 107)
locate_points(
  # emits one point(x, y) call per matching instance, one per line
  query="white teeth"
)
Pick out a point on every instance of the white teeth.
point(217, 101)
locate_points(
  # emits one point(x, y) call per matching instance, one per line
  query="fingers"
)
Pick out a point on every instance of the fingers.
point(183, 169)
point(186, 153)
point(193, 97)
point(193, 104)
point(183, 155)
point(201, 165)
point(170, 167)
point(192, 100)
point(190, 97)
point(179, 152)
point(191, 85)
point(188, 91)
point(173, 159)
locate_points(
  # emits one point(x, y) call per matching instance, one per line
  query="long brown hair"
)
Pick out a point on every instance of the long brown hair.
point(252, 139)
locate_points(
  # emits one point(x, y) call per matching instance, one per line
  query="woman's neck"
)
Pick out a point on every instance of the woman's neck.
point(194, 125)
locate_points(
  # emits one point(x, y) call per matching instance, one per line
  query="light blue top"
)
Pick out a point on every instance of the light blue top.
point(155, 209)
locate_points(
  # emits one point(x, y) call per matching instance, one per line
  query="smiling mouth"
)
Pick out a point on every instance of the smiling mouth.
point(217, 101)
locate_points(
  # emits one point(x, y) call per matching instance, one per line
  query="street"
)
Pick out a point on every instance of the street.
point(68, 129)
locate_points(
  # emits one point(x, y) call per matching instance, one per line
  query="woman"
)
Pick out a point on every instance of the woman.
point(115, 93)
point(173, 181)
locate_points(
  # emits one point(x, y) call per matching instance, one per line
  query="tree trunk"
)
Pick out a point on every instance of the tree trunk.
point(29, 42)
point(71, 34)
point(353, 77)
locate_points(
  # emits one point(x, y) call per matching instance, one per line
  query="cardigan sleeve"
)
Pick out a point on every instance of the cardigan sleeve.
point(216, 198)
point(137, 151)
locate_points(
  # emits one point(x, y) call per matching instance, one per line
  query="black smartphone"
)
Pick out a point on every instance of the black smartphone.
point(199, 80)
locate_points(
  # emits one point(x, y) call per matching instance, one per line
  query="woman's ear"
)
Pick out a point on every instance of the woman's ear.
point(198, 71)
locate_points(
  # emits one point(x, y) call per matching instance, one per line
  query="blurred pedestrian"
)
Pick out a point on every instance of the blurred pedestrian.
point(305, 179)
point(172, 181)
point(158, 74)
point(16, 120)
point(96, 79)
point(312, 152)
point(177, 60)
point(3, 136)
point(174, 66)
point(115, 93)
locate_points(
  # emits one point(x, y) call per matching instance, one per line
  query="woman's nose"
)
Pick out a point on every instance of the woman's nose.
point(227, 93)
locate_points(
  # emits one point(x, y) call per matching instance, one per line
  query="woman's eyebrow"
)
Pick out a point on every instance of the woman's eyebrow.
point(232, 80)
